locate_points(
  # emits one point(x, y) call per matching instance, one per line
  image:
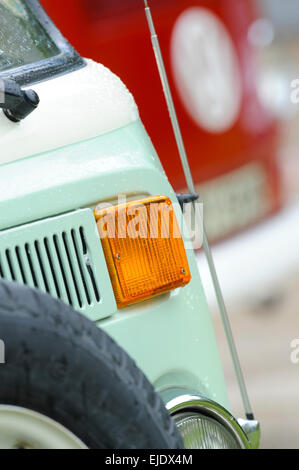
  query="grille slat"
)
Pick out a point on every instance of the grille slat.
point(15, 266)
point(47, 269)
point(20, 265)
point(81, 265)
point(57, 270)
point(54, 256)
point(41, 266)
point(88, 267)
point(25, 265)
point(28, 252)
point(15, 273)
point(12, 266)
point(34, 262)
point(5, 267)
point(79, 288)
point(52, 268)
point(66, 270)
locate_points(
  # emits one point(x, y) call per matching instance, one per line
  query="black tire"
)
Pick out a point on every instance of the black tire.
point(60, 364)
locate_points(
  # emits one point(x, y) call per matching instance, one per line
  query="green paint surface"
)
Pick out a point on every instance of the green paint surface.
point(171, 337)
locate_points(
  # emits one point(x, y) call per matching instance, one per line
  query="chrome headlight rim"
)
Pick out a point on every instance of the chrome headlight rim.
point(193, 403)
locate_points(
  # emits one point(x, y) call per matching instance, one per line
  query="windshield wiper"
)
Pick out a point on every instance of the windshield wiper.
point(16, 103)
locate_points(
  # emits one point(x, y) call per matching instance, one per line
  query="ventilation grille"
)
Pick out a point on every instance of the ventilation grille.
point(57, 261)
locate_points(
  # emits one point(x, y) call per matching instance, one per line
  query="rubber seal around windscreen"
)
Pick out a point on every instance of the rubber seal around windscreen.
point(68, 60)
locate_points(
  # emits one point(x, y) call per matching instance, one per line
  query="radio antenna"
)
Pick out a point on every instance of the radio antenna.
point(191, 189)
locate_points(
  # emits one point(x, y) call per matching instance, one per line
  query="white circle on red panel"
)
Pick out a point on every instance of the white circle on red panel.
point(206, 69)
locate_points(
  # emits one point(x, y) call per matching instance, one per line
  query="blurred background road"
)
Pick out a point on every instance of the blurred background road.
point(260, 276)
point(263, 333)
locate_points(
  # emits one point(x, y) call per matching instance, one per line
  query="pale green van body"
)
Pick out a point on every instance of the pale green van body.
point(171, 336)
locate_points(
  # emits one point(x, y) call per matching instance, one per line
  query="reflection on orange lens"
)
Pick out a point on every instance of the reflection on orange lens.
point(144, 250)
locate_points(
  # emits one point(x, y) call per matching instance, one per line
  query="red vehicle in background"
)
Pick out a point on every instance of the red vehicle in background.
point(230, 137)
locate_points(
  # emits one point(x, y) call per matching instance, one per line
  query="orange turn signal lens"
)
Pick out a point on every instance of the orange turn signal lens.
point(143, 247)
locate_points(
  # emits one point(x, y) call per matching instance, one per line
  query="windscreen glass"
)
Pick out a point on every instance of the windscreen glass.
point(23, 40)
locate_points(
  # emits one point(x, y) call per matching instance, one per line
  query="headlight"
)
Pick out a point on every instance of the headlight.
point(202, 432)
point(205, 424)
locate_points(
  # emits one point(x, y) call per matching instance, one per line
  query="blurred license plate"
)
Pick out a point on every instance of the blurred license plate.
point(235, 201)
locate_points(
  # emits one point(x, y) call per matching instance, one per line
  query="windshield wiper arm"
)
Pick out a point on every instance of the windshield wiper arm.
point(16, 103)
